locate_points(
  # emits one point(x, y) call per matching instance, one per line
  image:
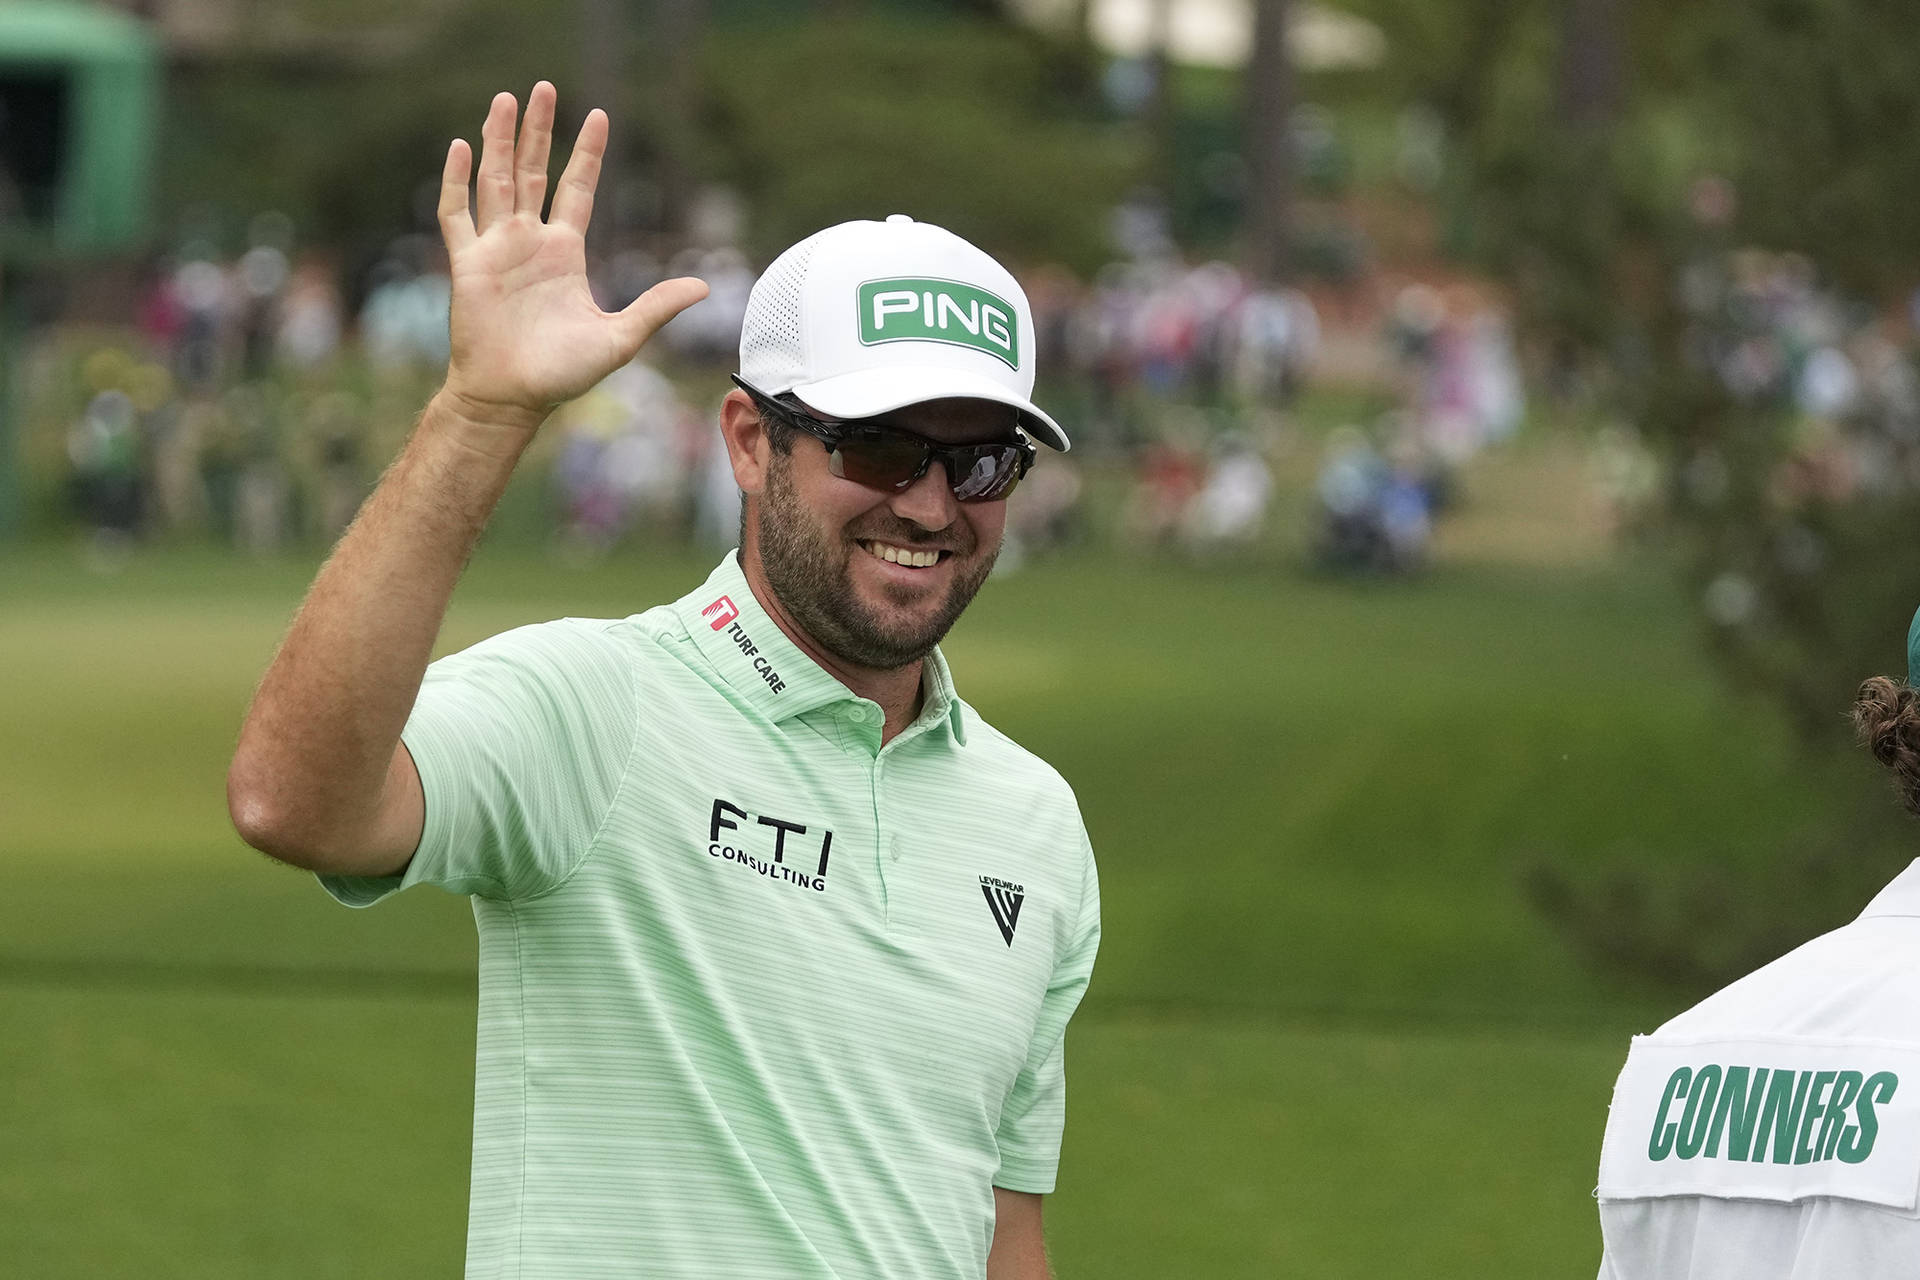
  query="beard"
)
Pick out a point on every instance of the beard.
point(808, 568)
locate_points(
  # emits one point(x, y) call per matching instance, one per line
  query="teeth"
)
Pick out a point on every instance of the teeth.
point(899, 555)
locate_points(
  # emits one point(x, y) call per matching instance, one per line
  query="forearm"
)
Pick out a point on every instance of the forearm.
point(1019, 1250)
point(311, 780)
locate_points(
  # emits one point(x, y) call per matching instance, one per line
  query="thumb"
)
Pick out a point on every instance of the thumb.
point(642, 318)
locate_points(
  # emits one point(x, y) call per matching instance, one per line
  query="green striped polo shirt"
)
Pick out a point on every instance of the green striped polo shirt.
point(759, 997)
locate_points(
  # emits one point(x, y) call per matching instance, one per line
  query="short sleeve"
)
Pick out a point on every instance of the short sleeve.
point(1035, 1112)
point(521, 743)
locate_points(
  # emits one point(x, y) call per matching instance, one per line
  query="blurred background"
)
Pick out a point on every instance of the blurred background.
point(1497, 454)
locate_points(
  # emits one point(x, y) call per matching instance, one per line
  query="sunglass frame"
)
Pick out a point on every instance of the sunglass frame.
point(836, 434)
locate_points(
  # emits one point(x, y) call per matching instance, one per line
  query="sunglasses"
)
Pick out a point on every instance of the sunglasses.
point(889, 458)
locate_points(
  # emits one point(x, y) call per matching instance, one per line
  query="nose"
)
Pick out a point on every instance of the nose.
point(928, 501)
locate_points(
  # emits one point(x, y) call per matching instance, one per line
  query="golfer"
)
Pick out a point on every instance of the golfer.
point(1772, 1132)
point(778, 938)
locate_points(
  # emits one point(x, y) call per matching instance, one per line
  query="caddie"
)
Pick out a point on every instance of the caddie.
point(778, 938)
point(1772, 1132)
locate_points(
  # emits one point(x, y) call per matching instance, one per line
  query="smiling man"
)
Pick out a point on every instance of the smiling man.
point(778, 939)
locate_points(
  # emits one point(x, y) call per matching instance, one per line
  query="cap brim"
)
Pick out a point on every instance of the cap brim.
point(870, 392)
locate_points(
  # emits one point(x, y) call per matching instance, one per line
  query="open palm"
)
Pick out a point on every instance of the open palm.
point(527, 333)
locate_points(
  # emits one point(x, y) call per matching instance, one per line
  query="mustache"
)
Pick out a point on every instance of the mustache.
point(958, 539)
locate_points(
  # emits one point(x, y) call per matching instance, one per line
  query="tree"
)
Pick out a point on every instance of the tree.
point(1269, 222)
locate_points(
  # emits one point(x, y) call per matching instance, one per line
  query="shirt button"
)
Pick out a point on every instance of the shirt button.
point(893, 848)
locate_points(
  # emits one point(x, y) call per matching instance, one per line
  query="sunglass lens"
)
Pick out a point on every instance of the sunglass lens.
point(985, 474)
point(878, 462)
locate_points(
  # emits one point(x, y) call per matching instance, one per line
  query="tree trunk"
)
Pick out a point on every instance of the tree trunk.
point(678, 26)
point(1158, 114)
point(602, 35)
point(1592, 63)
point(1269, 208)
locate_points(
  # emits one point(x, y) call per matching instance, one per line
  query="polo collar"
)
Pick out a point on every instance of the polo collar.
point(1900, 898)
point(743, 644)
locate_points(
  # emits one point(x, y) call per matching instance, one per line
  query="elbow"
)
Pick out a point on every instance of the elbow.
point(263, 819)
point(256, 815)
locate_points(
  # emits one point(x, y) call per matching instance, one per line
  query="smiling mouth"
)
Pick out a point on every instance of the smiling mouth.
point(906, 557)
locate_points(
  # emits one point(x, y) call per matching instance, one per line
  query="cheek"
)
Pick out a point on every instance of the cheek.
point(988, 521)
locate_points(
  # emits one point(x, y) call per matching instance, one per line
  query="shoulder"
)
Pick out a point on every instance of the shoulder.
point(989, 751)
point(1040, 802)
point(565, 644)
point(1862, 979)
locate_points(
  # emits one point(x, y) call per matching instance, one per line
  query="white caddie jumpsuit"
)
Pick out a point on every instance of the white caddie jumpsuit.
point(1772, 1132)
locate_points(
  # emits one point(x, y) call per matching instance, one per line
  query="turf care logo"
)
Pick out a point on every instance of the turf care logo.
point(916, 309)
point(1004, 899)
point(720, 612)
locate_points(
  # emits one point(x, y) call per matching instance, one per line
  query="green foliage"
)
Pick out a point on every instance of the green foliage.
point(956, 123)
point(1825, 98)
point(1791, 523)
point(967, 122)
point(349, 146)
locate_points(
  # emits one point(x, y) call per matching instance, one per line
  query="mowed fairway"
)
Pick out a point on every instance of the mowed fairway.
point(1327, 1036)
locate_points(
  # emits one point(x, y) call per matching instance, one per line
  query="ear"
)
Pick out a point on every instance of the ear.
point(746, 439)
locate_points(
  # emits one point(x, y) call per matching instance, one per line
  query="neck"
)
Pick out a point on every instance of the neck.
point(896, 689)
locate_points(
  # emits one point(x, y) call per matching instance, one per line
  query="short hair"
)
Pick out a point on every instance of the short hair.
point(780, 436)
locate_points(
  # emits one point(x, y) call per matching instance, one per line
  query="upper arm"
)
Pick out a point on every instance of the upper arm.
point(509, 763)
point(1019, 1249)
point(401, 817)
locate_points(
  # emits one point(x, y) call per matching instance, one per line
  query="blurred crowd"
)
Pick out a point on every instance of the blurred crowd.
point(1839, 377)
point(264, 390)
point(1460, 391)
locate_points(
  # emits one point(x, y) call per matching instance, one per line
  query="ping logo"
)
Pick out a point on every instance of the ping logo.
point(1003, 899)
point(914, 309)
point(720, 613)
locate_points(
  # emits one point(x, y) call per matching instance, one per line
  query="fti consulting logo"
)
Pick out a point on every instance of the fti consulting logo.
point(720, 613)
point(915, 309)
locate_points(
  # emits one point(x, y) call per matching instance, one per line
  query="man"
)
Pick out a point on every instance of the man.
point(1772, 1131)
point(778, 939)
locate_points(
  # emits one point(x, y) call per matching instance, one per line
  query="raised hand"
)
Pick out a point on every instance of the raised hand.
point(527, 333)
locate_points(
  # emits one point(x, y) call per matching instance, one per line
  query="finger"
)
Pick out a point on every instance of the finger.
point(642, 317)
point(456, 223)
point(493, 189)
point(530, 158)
point(573, 198)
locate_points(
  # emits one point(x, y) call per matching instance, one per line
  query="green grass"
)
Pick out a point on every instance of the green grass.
point(1327, 1036)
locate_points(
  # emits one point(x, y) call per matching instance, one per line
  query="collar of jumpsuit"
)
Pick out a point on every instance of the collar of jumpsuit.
point(1901, 897)
point(768, 671)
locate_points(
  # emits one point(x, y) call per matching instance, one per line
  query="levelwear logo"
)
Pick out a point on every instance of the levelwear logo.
point(775, 868)
point(915, 309)
point(720, 612)
point(1003, 899)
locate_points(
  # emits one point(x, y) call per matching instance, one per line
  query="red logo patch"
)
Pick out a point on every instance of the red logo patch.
point(720, 613)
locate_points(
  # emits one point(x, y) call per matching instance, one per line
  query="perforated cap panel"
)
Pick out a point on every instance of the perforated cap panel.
point(773, 355)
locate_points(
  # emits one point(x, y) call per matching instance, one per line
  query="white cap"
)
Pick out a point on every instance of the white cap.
point(866, 317)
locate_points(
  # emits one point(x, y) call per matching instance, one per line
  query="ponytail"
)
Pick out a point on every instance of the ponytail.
point(1886, 717)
